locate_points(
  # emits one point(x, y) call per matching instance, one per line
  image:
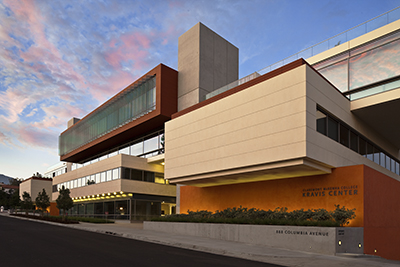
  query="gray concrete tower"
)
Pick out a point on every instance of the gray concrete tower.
point(206, 62)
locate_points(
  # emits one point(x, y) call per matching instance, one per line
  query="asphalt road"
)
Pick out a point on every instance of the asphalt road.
point(27, 243)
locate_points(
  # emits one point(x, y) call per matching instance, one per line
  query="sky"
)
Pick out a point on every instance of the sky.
point(61, 59)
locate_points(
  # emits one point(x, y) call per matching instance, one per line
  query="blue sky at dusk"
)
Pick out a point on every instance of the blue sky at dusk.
point(61, 59)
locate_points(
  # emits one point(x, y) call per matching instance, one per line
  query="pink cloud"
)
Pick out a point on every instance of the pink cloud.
point(5, 140)
point(133, 46)
point(37, 137)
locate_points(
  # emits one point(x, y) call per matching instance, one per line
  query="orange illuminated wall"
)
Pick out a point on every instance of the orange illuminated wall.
point(53, 209)
point(344, 186)
point(381, 215)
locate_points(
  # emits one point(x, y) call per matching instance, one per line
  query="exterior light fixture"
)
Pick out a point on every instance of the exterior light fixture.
point(92, 195)
point(359, 245)
point(340, 242)
point(103, 195)
point(375, 250)
point(162, 163)
point(108, 194)
point(130, 195)
point(115, 193)
point(98, 195)
point(121, 192)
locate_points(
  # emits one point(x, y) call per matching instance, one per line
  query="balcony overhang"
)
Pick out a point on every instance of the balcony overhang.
point(270, 171)
point(380, 112)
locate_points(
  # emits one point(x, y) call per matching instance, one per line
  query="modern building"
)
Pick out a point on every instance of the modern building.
point(34, 185)
point(301, 134)
point(117, 152)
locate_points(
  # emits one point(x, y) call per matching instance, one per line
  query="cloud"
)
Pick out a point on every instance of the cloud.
point(5, 140)
point(62, 60)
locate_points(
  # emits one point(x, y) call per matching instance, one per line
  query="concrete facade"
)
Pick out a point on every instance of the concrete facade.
point(323, 240)
point(206, 62)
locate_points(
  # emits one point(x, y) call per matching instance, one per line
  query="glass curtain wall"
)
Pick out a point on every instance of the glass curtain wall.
point(124, 209)
point(372, 63)
point(133, 103)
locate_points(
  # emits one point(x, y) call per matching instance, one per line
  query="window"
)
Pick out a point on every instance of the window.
point(321, 122)
point(93, 178)
point(109, 175)
point(344, 135)
point(115, 174)
point(353, 141)
point(333, 129)
point(102, 177)
point(136, 175)
point(149, 176)
point(348, 137)
point(97, 178)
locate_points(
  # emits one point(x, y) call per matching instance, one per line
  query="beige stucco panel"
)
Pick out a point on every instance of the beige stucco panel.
point(264, 123)
point(33, 187)
point(148, 188)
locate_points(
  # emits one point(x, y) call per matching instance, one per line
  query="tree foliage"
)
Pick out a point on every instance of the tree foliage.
point(42, 201)
point(27, 203)
point(14, 181)
point(14, 199)
point(64, 201)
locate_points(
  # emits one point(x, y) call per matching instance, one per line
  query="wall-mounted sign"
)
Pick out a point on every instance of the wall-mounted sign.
point(332, 191)
point(296, 232)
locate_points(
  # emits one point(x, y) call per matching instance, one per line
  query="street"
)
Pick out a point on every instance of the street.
point(28, 243)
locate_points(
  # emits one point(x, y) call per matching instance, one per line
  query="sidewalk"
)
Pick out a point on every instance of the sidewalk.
point(234, 249)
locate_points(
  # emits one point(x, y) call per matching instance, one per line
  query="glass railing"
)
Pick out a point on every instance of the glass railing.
point(374, 90)
point(336, 40)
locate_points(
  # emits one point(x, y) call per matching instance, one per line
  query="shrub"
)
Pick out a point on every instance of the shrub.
point(343, 215)
point(279, 216)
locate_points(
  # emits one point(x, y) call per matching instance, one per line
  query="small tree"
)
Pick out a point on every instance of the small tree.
point(15, 201)
point(42, 201)
point(27, 203)
point(64, 201)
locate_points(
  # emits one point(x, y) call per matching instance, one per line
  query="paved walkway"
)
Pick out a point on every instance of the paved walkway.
point(234, 249)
